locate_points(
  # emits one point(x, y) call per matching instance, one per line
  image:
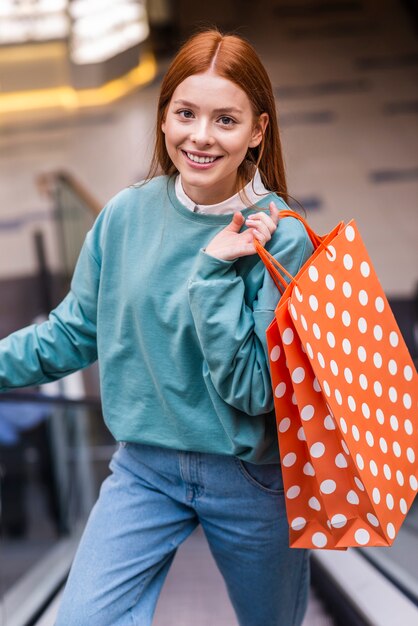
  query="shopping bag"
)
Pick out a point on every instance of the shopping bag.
point(345, 394)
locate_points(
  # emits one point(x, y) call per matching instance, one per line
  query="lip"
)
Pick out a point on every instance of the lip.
point(200, 166)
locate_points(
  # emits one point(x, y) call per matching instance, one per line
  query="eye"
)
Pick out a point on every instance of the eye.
point(225, 120)
point(186, 114)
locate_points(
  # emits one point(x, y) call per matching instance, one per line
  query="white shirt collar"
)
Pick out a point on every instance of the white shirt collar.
point(254, 190)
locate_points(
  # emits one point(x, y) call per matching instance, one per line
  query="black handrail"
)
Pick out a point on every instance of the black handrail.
point(39, 398)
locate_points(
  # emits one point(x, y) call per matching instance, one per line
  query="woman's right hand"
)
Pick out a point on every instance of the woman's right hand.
point(230, 244)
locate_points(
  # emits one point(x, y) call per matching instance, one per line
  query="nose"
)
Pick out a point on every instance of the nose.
point(201, 133)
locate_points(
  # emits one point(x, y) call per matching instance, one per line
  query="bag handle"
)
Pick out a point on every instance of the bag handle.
point(276, 269)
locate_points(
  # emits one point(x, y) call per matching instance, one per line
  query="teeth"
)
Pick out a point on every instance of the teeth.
point(197, 159)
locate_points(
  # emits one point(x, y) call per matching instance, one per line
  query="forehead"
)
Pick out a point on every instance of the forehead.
point(210, 90)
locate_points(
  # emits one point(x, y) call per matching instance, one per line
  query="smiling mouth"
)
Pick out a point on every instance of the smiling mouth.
point(200, 159)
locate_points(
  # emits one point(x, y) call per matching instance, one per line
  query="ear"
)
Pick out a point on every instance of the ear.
point(259, 130)
point(163, 125)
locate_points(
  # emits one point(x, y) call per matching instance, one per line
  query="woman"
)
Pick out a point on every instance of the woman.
point(170, 296)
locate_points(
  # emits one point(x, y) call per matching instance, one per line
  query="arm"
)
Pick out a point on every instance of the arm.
point(231, 334)
point(66, 342)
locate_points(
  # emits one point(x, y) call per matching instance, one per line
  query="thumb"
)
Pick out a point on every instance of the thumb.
point(236, 222)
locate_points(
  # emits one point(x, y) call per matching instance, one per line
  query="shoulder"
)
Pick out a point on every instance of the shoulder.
point(135, 194)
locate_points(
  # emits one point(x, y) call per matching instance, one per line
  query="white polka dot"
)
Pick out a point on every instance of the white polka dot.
point(407, 400)
point(350, 233)
point(314, 503)
point(409, 429)
point(362, 354)
point(321, 359)
point(365, 409)
point(394, 339)
point(347, 289)
point(390, 529)
point(378, 332)
point(413, 482)
point(392, 367)
point(284, 425)
point(383, 445)
point(359, 483)
point(330, 310)
point(387, 471)
point(348, 261)
point(380, 416)
point(287, 336)
point(293, 492)
point(362, 536)
point(362, 325)
point(363, 381)
point(372, 519)
point(289, 459)
point(280, 390)
point(317, 449)
point(346, 318)
point(304, 322)
point(377, 360)
point(298, 294)
point(326, 388)
point(331, 339)
point(348, 375)
point(328, 486)
point(390, 501)
point(400, 478)
point(343, 425)
point(298, 523)
point(376, 495)
point(293, 312)
point(334, 367)
point(275, 354)
point(309, 350)
point(307, 412)
point(345, 447)
point(319, 540)
point(373, 468)
point(338, 520)
point(301, 434)
point(347, 346)
point(393, 394)
point(329, 423)
point(403, 506)
point(352, 497)
point(410, 454)
point(363, 297)
point(378, 389)
point(313, 302)
point(359, 461)
point(330, 282)
point(316, 385)
point(379, 304)
point(331, 253)
point(340, 460)
point(369, 438)
point(355, 432)
point(407, 372)
point(308, 469)
point(351, 404)
point(338, 397)
point(394, 423)
point(298, 375)
point(365, 269)
point(316, 331)
point(313, 274)
point(396, 449)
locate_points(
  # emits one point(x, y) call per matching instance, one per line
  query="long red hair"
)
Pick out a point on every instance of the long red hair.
point(233, 58)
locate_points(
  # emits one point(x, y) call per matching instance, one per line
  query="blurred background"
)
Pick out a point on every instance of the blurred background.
point(79, 80)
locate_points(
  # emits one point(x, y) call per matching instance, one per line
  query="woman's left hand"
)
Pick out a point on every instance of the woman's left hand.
point(230, 243)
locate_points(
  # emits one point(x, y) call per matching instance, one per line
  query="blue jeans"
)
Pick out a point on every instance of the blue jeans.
point(150, 503)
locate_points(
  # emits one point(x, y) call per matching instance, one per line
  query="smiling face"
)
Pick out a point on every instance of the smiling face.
point(209, 126)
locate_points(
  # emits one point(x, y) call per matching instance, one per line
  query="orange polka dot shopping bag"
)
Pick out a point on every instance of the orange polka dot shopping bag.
point(345, 392)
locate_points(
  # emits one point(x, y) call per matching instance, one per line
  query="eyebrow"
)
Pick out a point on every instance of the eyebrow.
point(220, 110)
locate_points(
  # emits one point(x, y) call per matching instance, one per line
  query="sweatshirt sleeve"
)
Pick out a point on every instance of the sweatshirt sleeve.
point(231, 333)
point(66, 341)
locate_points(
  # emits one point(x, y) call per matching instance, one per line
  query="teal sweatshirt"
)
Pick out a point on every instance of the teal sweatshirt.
point(179, 334)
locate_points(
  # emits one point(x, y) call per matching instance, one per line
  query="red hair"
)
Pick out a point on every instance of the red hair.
point(233, 58)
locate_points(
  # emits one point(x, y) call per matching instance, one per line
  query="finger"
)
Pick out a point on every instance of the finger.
point(274, 213)
point(265, 219)
point(265, 229)
point(236, 223)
